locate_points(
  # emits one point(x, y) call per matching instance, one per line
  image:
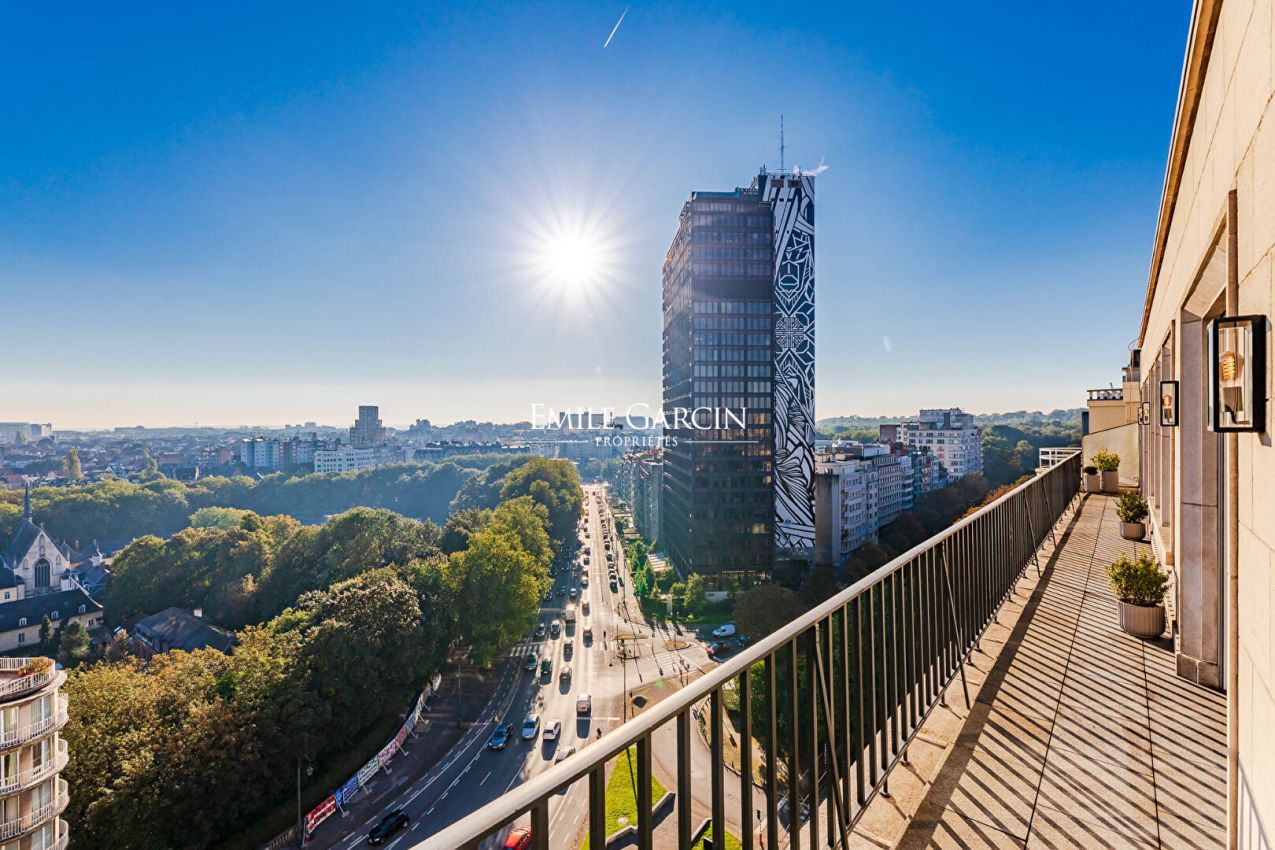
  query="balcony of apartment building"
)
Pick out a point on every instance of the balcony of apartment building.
point(974, 692)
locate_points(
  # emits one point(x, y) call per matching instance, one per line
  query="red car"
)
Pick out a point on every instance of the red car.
point(519, 838)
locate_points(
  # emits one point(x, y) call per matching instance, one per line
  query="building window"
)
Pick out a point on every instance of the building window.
point(55, 616)
point(22, 637)
point(42, 571)
point(22, 621)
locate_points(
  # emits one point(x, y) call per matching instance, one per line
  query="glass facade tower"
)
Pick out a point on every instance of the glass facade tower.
point(734, 498)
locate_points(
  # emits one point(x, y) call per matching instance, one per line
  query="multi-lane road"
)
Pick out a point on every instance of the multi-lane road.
point(471, 774)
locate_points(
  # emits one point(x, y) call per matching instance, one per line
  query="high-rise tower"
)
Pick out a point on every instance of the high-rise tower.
point(739, 337)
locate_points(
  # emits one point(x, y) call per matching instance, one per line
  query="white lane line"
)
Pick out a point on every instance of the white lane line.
point(485, 778)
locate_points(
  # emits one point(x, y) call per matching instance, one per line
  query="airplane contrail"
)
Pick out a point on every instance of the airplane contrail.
point(616, 27)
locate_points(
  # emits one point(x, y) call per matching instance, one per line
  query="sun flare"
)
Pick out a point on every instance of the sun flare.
point(572, 259)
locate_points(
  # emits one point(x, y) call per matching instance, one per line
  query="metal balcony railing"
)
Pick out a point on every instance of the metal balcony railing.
point(37, 816)
point(11, 738)
point(850, 683)
point(33, 776)
point(1053, 455)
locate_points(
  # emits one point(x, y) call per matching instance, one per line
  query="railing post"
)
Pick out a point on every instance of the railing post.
point(683, 779)
point(772, 757)
point(598, 807)
point(716, 762)
point(960, 639)
point(644, 824)
point(746, 756)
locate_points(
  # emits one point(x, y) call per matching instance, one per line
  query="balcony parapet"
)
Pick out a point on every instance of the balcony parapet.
point(23, 675)
point(1109, 394)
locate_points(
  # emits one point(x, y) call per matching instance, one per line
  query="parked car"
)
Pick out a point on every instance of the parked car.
point(531, 727)
point(388, 825)
point(519, 838)
point(563, 753)
point(553, 729)
point(724, 630)
point(584, 704)
point(499, 738)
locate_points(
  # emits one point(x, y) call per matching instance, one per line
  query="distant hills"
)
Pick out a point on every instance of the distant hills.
point(1017, 418)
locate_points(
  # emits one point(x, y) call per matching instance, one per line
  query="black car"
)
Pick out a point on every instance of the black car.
point(390, 824)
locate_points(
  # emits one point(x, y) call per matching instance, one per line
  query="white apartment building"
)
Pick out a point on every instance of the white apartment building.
point(950, 435)
point(858, 489)
point(269, 454)
point(345, 459)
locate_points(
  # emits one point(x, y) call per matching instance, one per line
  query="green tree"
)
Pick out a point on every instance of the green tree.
point(765, 608)
point(46, 632)
point(694, 596)
point(73, 643)
point(820, 585)
point(72, 466)
point(218, 517)
point(499, 585)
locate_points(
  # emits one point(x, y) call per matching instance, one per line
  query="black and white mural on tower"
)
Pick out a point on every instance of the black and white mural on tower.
point(793, 197)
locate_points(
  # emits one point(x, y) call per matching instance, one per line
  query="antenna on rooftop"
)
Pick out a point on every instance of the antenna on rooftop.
point(781, 142)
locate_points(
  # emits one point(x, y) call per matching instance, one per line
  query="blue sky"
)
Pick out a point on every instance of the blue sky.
point(258, 214)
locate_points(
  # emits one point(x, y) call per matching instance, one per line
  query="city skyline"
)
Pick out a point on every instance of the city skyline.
point(295, 189)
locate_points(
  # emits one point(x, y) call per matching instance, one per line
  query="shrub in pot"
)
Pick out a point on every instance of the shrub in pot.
point(1141, 587)
point(1108, 464)
point(1092, 482)
point(1132, 510)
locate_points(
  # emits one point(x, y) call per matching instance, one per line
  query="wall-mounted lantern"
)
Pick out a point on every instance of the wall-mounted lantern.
point(1168, 404)
point(1144, 413)
point(1237, 374)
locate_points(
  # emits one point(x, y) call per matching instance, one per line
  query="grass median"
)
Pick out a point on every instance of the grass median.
point(622, 793)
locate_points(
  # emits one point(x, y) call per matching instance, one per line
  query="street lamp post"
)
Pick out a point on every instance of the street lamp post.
point(309, 771)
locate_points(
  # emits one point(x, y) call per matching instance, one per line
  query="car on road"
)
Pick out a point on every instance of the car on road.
point(555, 629)
point(584, 580)
point(724, 630)
point(573, 593)
point(531, 727)
point(584, 704)
point(563, 753)
point(532, 663)
point(388, 825)
point(546, 667)
point(586, 560)
point(614, 587)
point(519, 839)
point(553, 729)
point(588, 634)
point(499, 738)
point(584, 607)
point(565, 675)
point(540, 631)
point(718, 650)
point(568, 647)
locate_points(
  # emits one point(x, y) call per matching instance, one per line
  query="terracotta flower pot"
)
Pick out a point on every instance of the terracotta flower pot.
point(1144, 621)
point(1133, 530)
point(1110, 480)
point(1093, 484)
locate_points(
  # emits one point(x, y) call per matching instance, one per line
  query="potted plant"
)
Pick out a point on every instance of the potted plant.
point(1132, 510)
point(1092, 482)
point(1141, 587)
point(1108, 464)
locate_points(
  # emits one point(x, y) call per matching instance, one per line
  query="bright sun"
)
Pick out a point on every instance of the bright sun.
point(572, 259)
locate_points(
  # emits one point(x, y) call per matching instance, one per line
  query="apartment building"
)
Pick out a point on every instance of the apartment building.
point(858, 489)
point(950, 434)
point(32, 755)
point(640, 486)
